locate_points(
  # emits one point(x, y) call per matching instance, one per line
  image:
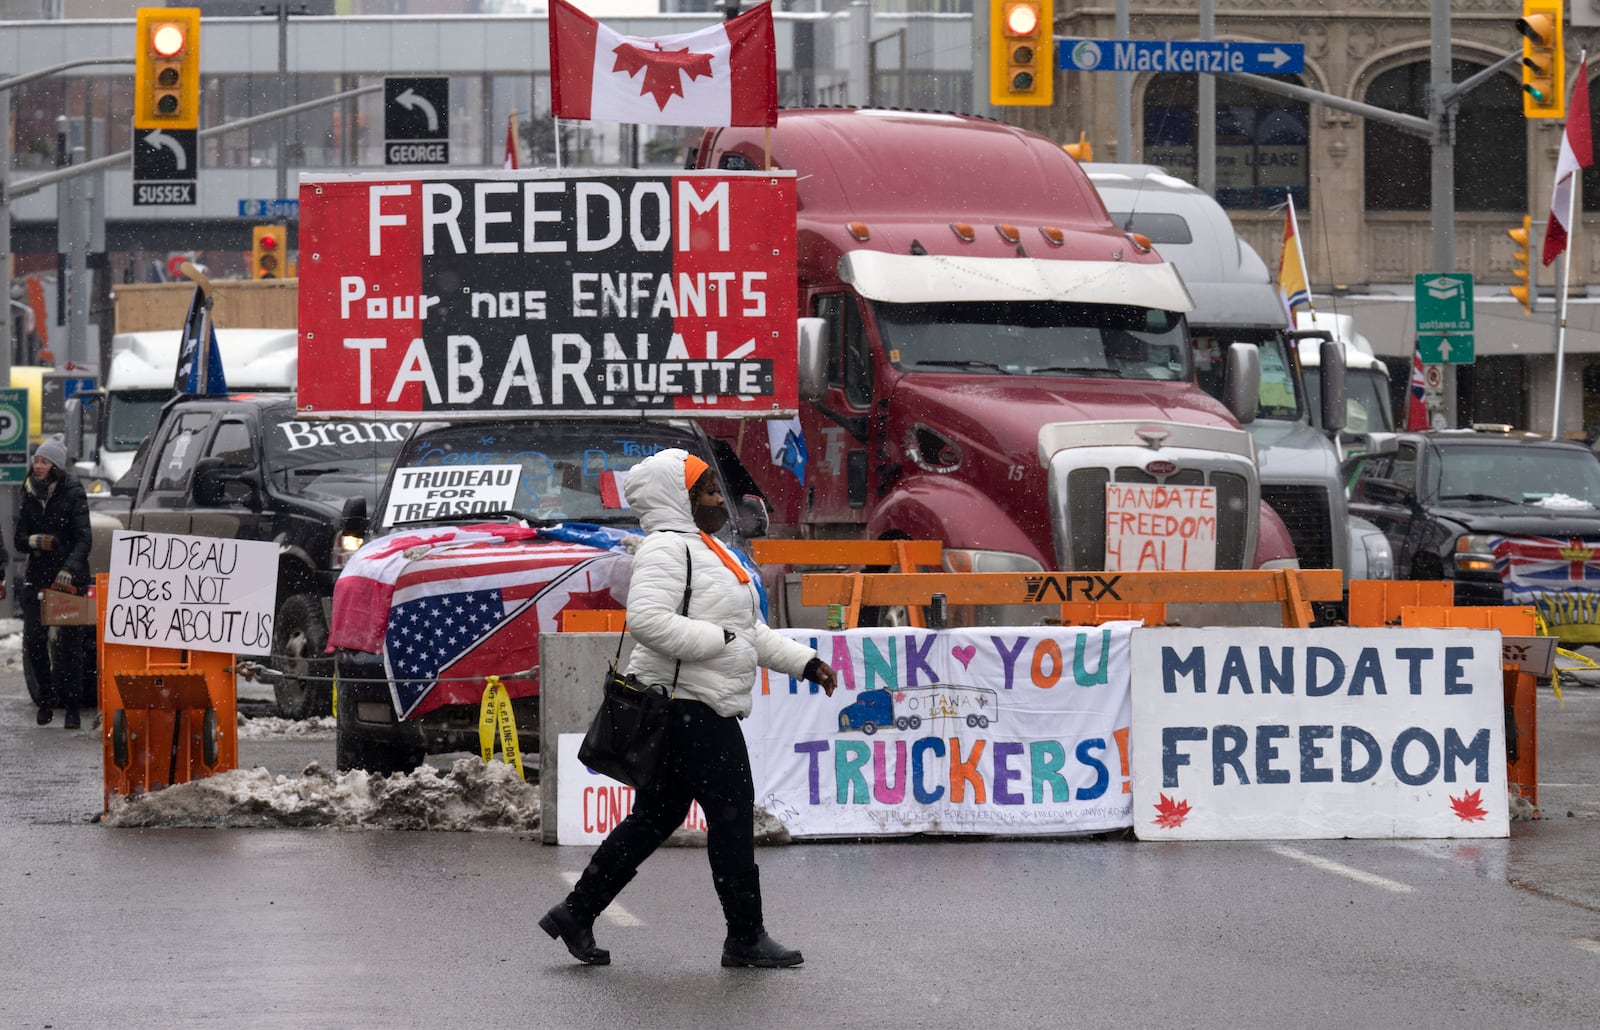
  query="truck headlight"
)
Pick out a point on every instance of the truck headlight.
point(968, 560)
point(1380, 556)
point(344, 548)
point(1473, 554)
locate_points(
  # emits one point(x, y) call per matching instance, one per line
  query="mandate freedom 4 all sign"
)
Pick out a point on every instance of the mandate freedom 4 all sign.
point(548, 292)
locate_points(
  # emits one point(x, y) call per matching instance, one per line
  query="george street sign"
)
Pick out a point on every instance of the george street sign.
point(1444, 318)
point(1153, 55)
point(416, 120)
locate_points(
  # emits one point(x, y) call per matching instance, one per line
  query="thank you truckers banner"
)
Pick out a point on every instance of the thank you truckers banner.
point(548, 292)
point(1015, 730)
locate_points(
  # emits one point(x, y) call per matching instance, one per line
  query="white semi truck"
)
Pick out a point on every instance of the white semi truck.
point(139, 381)
point(1237, 301)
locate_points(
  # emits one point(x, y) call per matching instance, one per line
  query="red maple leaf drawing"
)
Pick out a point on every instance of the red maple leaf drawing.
point(1469, 806)
point(661, 70)
point(899, 697)
point(1170, 812)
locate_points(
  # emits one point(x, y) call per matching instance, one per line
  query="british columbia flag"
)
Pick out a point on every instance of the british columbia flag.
point(1558, 576)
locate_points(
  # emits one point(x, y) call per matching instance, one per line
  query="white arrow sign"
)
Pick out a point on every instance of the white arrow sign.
point(1444, 349)
point(412, 102)
point(1275, 57)
point(160, 139)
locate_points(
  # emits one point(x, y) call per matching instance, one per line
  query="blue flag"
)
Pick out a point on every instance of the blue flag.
point(186, 380)
point(787, 446)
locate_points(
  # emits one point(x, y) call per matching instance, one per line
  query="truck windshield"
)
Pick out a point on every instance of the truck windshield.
point(1034, 338)
point(131, 415)
point(562, 470)
point(1551, 477)
point(1279, 398)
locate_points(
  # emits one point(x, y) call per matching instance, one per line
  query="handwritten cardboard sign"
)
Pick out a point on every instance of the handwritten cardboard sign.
point(195, 592)
point(1156, 528)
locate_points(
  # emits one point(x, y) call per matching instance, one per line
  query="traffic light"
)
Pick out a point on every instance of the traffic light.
point(166, 79)
point(1082, 150)
point(1544, 74)
point(1021, 53)
point(1520, 266)
point(267, 251)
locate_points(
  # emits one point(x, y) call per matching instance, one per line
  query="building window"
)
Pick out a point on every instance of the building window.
point(1491, 154)
point(1261, 140)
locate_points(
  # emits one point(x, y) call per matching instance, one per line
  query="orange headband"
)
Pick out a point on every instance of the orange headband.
point(693, 469)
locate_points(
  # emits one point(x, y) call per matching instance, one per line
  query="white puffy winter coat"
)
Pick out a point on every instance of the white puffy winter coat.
point(715, 672)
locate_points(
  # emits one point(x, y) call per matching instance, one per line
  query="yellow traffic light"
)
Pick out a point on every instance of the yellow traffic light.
point(1082, 150)
point(268, 251)
point(1544, 74)
point(166, 78)
point(1520, 266)
point(1022, 53)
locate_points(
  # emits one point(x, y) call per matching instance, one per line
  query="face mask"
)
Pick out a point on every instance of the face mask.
point(710, 518)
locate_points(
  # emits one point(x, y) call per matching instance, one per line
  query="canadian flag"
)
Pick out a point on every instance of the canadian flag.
point(611, 489)
point(512, 162)
point(723, 75)
point(1417, 409)
point(1577, 153)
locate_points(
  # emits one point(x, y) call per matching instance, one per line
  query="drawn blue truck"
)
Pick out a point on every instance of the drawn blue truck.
point(975, 706)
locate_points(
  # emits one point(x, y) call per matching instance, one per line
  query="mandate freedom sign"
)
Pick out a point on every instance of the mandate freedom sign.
point(1009, 730)
point(1278, 734)
point(548, 292)
point(196, 592)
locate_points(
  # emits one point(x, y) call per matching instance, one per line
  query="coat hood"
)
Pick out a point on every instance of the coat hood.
point(656, 491)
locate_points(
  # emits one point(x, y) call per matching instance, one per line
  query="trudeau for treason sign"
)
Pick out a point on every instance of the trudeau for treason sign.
point(548, 292)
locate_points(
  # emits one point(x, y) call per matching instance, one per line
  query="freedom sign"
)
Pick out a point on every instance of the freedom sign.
point(1007, 730)
point(548, 292)
point(1280, 734)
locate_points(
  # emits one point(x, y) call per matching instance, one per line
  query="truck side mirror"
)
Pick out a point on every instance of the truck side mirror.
point(1242, 388)
point(753, 519)
point(353, 517)
point(812, 359)
point(1335, 395)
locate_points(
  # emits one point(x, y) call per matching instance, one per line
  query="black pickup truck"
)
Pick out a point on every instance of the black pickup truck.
point(247, 467)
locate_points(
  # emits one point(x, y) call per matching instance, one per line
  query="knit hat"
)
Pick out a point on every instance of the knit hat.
point(54, 450)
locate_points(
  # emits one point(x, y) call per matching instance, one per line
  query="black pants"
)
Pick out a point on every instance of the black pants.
point(59, 678)
point(706, 762)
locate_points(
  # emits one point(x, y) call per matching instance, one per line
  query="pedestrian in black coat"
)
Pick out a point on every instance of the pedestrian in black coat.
point(53, 531)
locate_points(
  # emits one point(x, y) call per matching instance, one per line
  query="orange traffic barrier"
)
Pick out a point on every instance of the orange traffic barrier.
point(168, 715)
point(905, 555)
point(598, 620)
point(1377, 602)
point(1521, 697)
point(1293, 589)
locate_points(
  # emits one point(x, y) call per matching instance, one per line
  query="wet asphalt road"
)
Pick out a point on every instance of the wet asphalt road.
point(108, 927)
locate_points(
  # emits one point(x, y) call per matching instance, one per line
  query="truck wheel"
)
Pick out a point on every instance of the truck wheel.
point(915, 722)
point(983, 722)
point(972, 721)
point(869, 728)
point(901, 722)
point(353, 750)
point(299, 637)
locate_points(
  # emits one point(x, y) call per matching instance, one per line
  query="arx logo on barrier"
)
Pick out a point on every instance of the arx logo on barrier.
point(1091, 588)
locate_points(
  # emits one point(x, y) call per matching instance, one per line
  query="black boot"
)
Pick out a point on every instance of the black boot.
point(747, 943)
point(46, 714)
point(572, 921)
point(72, 720)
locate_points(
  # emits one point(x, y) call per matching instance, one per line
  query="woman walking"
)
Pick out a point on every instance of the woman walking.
point(713, 652)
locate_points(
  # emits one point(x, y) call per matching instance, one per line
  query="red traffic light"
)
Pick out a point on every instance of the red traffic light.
point(167, 39)
point(1022, 20)
point(268, 242)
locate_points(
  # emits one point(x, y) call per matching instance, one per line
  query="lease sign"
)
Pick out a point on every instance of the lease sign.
point(545, 291)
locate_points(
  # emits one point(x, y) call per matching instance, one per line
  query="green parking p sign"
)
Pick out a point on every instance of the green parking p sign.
point(1444, 318)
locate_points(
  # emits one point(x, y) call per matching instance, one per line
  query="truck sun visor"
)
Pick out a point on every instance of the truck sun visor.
point(931, 278)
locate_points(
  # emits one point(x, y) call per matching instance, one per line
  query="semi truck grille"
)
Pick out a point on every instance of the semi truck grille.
point(1086, 502)
point(1304, 511)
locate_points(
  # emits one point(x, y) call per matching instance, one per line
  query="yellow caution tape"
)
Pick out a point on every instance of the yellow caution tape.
point(494, 715)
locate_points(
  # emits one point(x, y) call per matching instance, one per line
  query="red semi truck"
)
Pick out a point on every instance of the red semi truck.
point(986, 360)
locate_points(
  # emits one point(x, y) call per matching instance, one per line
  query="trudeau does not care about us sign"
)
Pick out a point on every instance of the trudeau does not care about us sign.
point(549, 292)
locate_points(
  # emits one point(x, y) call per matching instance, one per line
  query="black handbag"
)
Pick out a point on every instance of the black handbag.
point(627, 739)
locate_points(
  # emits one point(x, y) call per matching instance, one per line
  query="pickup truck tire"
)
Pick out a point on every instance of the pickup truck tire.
point(353, 751)
point(299, 638)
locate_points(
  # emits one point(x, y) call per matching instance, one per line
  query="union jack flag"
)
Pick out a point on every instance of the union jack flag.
point(474, 611)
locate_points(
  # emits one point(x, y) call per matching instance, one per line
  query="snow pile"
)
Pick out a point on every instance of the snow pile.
point(471, 796)
point(1562, 501)
point(265, 726)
